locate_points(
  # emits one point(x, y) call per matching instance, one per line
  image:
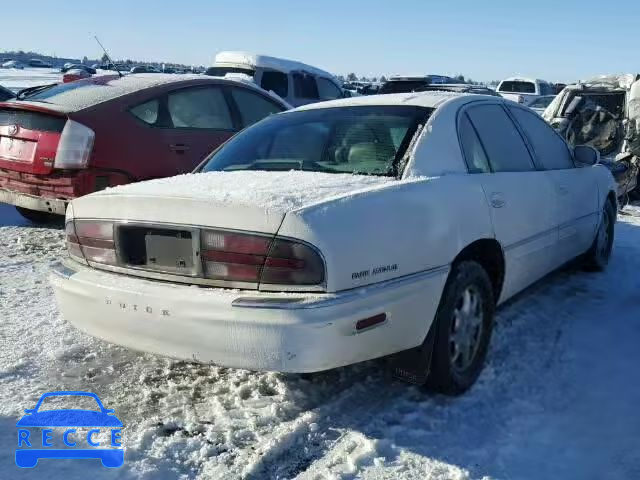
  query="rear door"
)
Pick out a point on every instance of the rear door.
point(198, 120)
point(520, 196)
point(575, 189)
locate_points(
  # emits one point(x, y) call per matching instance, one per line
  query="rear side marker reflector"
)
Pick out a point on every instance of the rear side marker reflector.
point(371, 322)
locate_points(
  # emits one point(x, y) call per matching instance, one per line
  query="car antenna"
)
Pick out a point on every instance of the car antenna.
point(108, 57)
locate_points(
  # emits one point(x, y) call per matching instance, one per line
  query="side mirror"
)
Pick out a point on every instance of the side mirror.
point(586, 155)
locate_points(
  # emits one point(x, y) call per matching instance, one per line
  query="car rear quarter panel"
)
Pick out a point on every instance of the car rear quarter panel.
point(407, 227)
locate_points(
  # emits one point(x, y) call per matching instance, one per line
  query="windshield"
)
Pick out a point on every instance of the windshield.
point(222, 71)
point(364, 140)
point(517, 86)
point(403, 86)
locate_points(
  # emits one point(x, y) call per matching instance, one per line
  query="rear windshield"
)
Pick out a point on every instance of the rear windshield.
point(403, 86)
point(364, 140)
point(222, 71)
point(517, 86)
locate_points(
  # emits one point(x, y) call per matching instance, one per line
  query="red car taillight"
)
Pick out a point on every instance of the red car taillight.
point(75, 146)
point(91, 240)
point(241, 257)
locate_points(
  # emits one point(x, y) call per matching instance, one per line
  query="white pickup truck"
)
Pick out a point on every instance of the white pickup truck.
point(524, 90)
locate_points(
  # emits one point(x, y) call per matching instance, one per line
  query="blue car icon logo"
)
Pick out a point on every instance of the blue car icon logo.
point(33, 445)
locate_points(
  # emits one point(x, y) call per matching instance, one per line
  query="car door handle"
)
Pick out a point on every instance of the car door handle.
point(179, 147)
point(562, 190)
point(497, 200)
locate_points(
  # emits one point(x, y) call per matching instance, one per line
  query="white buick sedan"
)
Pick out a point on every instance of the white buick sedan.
point(341, 232)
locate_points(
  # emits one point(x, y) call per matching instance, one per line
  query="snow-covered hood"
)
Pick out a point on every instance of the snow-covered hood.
point(245, 200)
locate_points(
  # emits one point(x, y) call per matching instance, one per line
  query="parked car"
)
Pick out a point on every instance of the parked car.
point(295, 82)
point(459, 88)
point(63, 141)
point(603, 112)
point(74, 74)
point(524, 90)
point(540, 104)
point(13, 64)
point(6, 94)
point(341, 232)
point(77, 66)
point(38, 63)
point(144, 69)
point(406, 84)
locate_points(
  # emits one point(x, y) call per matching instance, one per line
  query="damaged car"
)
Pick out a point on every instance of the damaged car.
point(604, 113)
point(339, 232)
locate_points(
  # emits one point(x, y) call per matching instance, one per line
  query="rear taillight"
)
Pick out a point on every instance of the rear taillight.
point(240, 257)
point(74, 148)
point(520, 99)
point(91, 240)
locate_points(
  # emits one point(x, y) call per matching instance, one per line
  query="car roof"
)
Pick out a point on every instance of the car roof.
point(264, 61)
point(92, 91)
point(428, 99)
point(524, 79)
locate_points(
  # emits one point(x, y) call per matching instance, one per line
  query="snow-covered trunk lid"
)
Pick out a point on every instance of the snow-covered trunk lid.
point(242, 200)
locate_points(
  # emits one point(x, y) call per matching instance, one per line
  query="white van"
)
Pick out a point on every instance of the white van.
point(525, 90)
point(295, 82)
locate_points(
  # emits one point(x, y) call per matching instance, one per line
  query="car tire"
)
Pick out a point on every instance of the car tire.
point(463, 323)
point(38, 217)
point(598, 255)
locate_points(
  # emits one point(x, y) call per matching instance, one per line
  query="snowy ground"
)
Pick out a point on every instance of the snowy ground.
point(558, 400)
point(16, 79)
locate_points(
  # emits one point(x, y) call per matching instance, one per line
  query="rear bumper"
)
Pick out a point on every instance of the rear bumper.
point(32, 202)
point(253, 330)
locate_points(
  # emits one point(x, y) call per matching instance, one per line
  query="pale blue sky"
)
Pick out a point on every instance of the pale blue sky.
point(559, 40)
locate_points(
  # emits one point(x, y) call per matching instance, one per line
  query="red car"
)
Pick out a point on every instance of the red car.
point(59, 142)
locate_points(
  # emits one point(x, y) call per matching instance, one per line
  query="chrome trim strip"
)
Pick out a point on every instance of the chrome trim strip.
point(333, 299)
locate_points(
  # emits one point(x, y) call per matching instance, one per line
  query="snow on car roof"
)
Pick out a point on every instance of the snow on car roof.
point(429, 99)
point(623, 81)
point(91, 91)
point(264, 61)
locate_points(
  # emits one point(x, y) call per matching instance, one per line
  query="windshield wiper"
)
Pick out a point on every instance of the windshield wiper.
point(27, 92)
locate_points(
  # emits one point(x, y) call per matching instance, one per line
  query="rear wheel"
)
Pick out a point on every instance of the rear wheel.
point(39, 217)
point(599, 254)
point(463, 324)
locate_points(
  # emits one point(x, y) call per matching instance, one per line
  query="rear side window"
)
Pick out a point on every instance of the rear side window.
point(147, 111)
point(277, 82)
point(517, 86)
point(328, 90)
point(252, 106)
point(471, 147)
point(549, 148)
point(502, 142)
point(199, 108)
point(305, 86)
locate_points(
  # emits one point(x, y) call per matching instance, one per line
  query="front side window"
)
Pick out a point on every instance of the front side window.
point(361, 140)
point(147, 111)
point(549, 148)
point(252, 106)
point(305, 86)
point(327, 89)
point(502, 142)
point(277, 82)
point(517, 86)
point(199, 108)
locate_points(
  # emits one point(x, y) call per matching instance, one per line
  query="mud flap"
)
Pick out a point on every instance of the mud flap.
point(414, 365)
